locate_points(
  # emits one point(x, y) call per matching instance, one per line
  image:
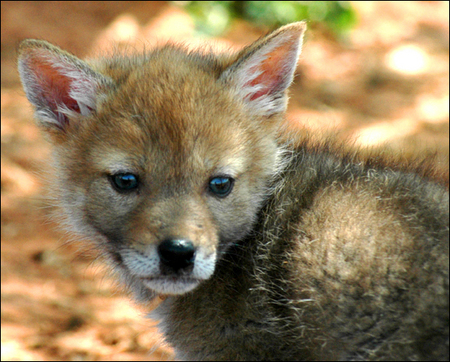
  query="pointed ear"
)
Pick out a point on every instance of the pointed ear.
point(264, 70)
point(60, 86)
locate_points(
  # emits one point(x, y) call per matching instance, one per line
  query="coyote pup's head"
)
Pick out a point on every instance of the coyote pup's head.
point(163, 159)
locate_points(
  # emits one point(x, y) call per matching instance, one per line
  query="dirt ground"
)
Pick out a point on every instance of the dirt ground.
point(387, 83)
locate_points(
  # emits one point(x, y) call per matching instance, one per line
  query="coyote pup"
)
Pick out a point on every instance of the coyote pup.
point(172, 163)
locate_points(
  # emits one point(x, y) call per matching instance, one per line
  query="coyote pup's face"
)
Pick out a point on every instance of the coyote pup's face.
point(163, 159)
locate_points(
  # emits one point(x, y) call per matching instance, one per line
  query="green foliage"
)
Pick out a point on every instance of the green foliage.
point(214, 17)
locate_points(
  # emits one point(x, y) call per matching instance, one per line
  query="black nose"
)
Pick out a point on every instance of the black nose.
point(176, 254)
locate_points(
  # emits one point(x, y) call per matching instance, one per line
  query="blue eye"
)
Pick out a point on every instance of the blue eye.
point(221, 186)
point(124, 182)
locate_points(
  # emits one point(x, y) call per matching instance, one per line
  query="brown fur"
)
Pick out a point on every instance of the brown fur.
point(316, 253)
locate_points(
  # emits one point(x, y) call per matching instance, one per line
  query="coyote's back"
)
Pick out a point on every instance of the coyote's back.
point(172, 163)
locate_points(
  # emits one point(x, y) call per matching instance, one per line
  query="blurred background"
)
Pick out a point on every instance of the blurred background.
point(376, 73)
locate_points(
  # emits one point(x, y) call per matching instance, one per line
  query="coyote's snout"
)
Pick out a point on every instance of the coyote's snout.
point(178, 251)
point(265, 246)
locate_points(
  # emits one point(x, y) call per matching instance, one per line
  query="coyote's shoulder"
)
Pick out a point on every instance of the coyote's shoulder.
point(262, 246)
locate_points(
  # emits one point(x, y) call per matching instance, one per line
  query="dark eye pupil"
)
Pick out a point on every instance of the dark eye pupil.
point(221, 186)
point(124, 181)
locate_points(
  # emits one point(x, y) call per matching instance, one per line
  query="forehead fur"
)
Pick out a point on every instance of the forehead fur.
point(167, 83)
point(170, 102)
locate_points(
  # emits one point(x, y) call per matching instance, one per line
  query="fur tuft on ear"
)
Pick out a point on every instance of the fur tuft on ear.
point(59, 85)
point(264, 70)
